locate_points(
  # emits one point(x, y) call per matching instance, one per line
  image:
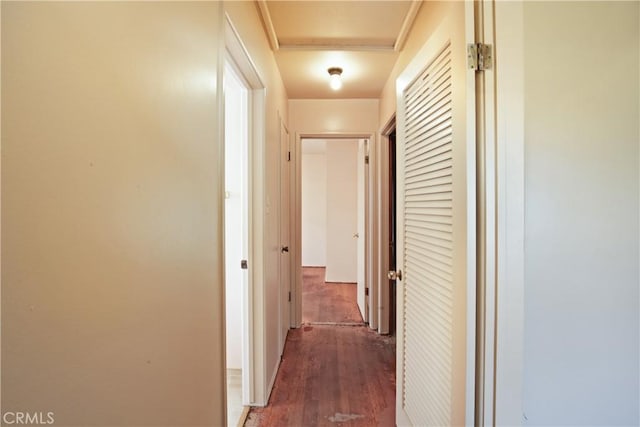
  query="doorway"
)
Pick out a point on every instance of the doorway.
point(236, 227)
point(333, 228)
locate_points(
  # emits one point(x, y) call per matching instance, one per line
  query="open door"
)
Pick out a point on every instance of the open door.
point(436, 229)
point(285, 233)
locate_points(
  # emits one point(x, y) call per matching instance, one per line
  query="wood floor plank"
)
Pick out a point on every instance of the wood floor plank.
point(332, 376)
point(327, 302)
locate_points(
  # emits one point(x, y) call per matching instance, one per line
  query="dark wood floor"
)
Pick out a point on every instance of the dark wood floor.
point(327, 302)
point(331, 375)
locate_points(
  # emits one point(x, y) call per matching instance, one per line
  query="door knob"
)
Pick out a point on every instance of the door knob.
point(284, 249)
point(394, 275)
point(356, 235)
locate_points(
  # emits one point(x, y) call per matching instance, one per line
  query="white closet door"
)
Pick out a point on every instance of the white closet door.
point(436, 230)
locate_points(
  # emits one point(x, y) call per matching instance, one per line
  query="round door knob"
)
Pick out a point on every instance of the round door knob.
point(394, 275)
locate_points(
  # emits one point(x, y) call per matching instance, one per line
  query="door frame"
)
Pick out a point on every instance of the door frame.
point(254, 357)
point(231, 67)
point(284, 287)
point(382, 208)
point(506, 30)
point(371, 245)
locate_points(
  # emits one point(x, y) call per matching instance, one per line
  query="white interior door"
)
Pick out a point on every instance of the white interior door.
point(360, 232)
point(436, 229)
point(285, 233)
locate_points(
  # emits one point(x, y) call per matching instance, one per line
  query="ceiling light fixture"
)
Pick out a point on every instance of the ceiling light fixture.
point(334, 77)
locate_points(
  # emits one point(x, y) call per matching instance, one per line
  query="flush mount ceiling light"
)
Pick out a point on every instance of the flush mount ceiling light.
point(334, 77)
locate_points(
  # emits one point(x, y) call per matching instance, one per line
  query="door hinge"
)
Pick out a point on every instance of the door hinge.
point(289, 296)
point(366, 292)
point(366, 160)
point(288, 156)
point(479, 56)
point(244, 264)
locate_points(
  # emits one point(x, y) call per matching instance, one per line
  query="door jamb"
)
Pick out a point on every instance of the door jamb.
point(508, 105)
point(382, 208)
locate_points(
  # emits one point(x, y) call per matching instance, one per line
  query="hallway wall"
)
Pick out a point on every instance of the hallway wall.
point(314, 209)
point(111, 270)
point(333, 115)
point(329, 215)
point(581, 324)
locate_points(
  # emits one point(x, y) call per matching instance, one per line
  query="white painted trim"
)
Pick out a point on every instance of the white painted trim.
point(470, 28)
point(356, 45)
point(268, 24)
point(407, 24)
point(281, 158)
point(254, 381)
point(509, 86)
point(272, 382)
point(371, 238)
point(296, 294)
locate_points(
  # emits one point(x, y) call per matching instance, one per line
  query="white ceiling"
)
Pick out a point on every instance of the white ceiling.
point(362, 37)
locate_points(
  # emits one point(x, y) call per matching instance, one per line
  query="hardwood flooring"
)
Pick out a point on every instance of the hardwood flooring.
point(331, 375)
point(327, 302)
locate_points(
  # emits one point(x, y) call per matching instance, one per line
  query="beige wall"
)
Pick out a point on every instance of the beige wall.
point(429, 14)
point(581, 213)
point(333, 115)
point(314, 209)
point(111, 269)
point(246, 20)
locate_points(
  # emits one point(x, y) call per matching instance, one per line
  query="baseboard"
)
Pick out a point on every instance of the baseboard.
point(314, 266)
point(272, 382)
point(243, 416)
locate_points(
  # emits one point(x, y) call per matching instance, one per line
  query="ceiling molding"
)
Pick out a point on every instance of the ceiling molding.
point(407, 24)
point(268, 24)
point(337, 44)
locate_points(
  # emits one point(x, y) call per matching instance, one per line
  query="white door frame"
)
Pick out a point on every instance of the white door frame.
point(371, 263)
point(254, 380)
point(284, 321)
point(508, 140)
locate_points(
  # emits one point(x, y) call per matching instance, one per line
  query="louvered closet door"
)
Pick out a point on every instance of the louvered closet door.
point(436, 217)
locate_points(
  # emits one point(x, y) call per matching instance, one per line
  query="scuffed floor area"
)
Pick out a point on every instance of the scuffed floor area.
point(327, 302)
point(332, 376)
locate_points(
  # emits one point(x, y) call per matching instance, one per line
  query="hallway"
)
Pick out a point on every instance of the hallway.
point(331, 374)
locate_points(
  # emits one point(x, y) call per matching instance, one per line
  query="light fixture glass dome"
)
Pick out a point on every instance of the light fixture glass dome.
point(335, 81)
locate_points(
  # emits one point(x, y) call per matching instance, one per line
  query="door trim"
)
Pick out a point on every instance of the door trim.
point(508, 105)
point(371, 248)
point(286, 287)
